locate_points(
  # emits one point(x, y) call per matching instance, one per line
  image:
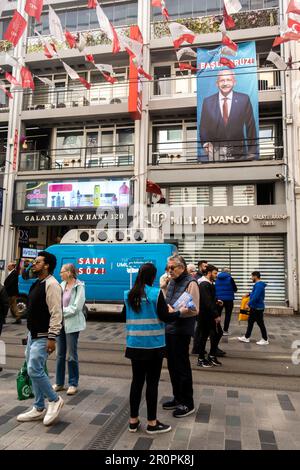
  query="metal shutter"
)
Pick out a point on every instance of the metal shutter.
point(244, 254)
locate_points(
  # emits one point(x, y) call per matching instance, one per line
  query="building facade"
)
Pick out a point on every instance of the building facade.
point(73, 142)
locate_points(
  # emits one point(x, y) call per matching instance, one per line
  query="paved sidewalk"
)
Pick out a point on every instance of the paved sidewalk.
point(225, 418)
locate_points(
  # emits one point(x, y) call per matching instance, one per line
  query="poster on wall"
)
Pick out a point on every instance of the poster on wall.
point(78, 194)
point(227, 104)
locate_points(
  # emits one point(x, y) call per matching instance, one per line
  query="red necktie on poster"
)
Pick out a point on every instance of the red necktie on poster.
point(225, 111)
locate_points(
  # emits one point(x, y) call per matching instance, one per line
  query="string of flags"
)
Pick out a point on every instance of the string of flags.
point(180, 34)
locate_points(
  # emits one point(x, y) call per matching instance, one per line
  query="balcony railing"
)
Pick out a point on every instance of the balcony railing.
point(195, 152)
point(85, 157)
point(268, 80)
point(72, 98)
point(211, 24)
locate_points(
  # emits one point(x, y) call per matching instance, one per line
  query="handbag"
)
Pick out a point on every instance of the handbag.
point(24, 385)
point(244, 312)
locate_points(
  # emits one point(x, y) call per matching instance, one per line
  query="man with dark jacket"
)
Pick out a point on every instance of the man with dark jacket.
point(11, 285)
point(209, 319)
point(4, 306)
point(225, 290)
point(44, 321)
point(202, 265)
point(178, 337)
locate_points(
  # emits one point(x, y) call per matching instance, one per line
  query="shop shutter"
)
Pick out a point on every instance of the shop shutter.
point(187, 196)
point(244, 254)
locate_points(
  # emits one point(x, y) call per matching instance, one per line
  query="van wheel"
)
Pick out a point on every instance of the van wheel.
point(22, 306)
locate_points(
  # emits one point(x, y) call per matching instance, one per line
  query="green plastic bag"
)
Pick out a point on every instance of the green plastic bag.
point(24, 385)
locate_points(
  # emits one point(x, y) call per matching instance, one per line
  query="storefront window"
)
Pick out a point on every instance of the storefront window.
point(244, 195)
point(219, 196)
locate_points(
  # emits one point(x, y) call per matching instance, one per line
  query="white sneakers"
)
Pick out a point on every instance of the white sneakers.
point(262, 342)
point(226, 333)
point(48, 416)
point(72, 390)
point(58, 388)
point(244, 339)
point(53, 410)
point(31, 415)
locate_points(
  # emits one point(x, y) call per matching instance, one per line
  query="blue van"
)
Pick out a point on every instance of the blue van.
point(106, 269)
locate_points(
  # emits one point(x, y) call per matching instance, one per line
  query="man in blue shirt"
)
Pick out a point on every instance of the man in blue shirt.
point(257, 306)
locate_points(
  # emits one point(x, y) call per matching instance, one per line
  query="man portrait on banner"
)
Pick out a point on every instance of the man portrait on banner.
point(227, 125)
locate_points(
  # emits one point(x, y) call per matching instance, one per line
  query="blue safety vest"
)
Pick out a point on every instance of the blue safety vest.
point(144, 329)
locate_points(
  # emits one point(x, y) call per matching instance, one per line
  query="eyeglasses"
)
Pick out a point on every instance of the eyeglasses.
point(171, 268)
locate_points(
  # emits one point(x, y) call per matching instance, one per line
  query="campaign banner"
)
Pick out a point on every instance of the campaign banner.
point(227, 103)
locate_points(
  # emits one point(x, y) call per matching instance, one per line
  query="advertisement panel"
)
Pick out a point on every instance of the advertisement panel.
point(78, 194)
point(227, 104)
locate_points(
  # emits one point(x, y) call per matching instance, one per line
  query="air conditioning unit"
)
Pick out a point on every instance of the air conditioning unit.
point(126, 235)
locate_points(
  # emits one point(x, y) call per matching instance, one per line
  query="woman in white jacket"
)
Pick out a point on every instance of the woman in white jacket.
point(73, 323)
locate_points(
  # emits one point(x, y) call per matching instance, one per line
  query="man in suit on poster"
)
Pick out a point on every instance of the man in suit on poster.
point(227, 124)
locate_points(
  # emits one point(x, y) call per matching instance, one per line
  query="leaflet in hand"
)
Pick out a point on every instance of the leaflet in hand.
point(185, 300)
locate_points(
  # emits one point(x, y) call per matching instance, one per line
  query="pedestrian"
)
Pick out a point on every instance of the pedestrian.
point(178, 337)
point(4, 306)
point(257, 307)
point(209, 319)
point(191, 269)
point(11, 285)
point(44, 317)
point(73, 322)
point(202, 265)
point(164, 281)
point(225, 290)
point(145, 312)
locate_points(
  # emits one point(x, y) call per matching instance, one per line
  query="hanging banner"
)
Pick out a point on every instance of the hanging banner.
point(227, 107)
point(135, 85)
point(15, 28)
point(34, 8)
point(15, 150)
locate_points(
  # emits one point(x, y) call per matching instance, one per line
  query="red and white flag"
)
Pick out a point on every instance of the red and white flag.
point(226, 41)
point(55, 26)
point(294, 7)
point(185, 66)
point(162, 5)
point(133, 48)
point(109, 78)
point(142, 72)
point(10, 60)
point(49, 48)
point(286, 37)
point(276, 60)
point(180, 34)
point(45, 80)
point(15, 28)
point(90, 58)
point(108, 29)
point(225, 50)
point(227, 62)
point(293, 25)
point(27, 79)
point(3, 88)
point(71, 40)
point(34, 8)
point(232, 6)
point(185, 51)
point(11, 79)
point(81, 43)
point(92, 3)
point(228, 20)
point(107, 72)
point(74, 75)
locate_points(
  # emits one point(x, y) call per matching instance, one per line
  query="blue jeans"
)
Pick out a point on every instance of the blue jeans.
point(67, 342)
point(36, 357)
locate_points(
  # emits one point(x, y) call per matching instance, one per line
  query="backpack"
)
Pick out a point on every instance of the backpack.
point(85, 310)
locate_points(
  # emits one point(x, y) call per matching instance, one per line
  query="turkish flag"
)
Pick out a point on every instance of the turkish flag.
point(85, 83)
point(228, 20)
point(288, 36)
point(11, 79)
point(90, 58)
point(34, 8)
point(153, 188)
point(71, 40)
point(92, 3)
point(145, 74)
point(293, 7)
point(226, 41)
point(15, 28)
point(27, 80)
point(227, 62)
point(294, 25)
point(180, 34)
point(184, 66)
point(109, 78)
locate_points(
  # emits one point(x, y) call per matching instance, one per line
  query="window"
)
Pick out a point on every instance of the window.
point(219, 196)
point(162, 84)
point(265, 194)
point(244, 195)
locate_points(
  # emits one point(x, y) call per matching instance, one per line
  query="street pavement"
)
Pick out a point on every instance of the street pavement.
point(252, 414)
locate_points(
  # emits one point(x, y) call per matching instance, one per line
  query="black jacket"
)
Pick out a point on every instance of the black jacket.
point(11, 284)
point(208, 305)
point(4, 305)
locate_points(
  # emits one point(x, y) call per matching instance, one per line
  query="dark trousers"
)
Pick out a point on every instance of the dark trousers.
point(142, 371)
point(228, 305)
point(1, 323)
point(209, 329)
point(180, 368)
point(258, 317)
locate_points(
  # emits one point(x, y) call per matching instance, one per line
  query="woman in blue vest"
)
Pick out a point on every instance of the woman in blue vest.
point(146, 311)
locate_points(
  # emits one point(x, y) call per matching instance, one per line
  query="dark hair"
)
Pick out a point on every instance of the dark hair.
point(210, 268)
point(201, 261)
point(146, 276)
point(49, 259)
point(256, 274)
